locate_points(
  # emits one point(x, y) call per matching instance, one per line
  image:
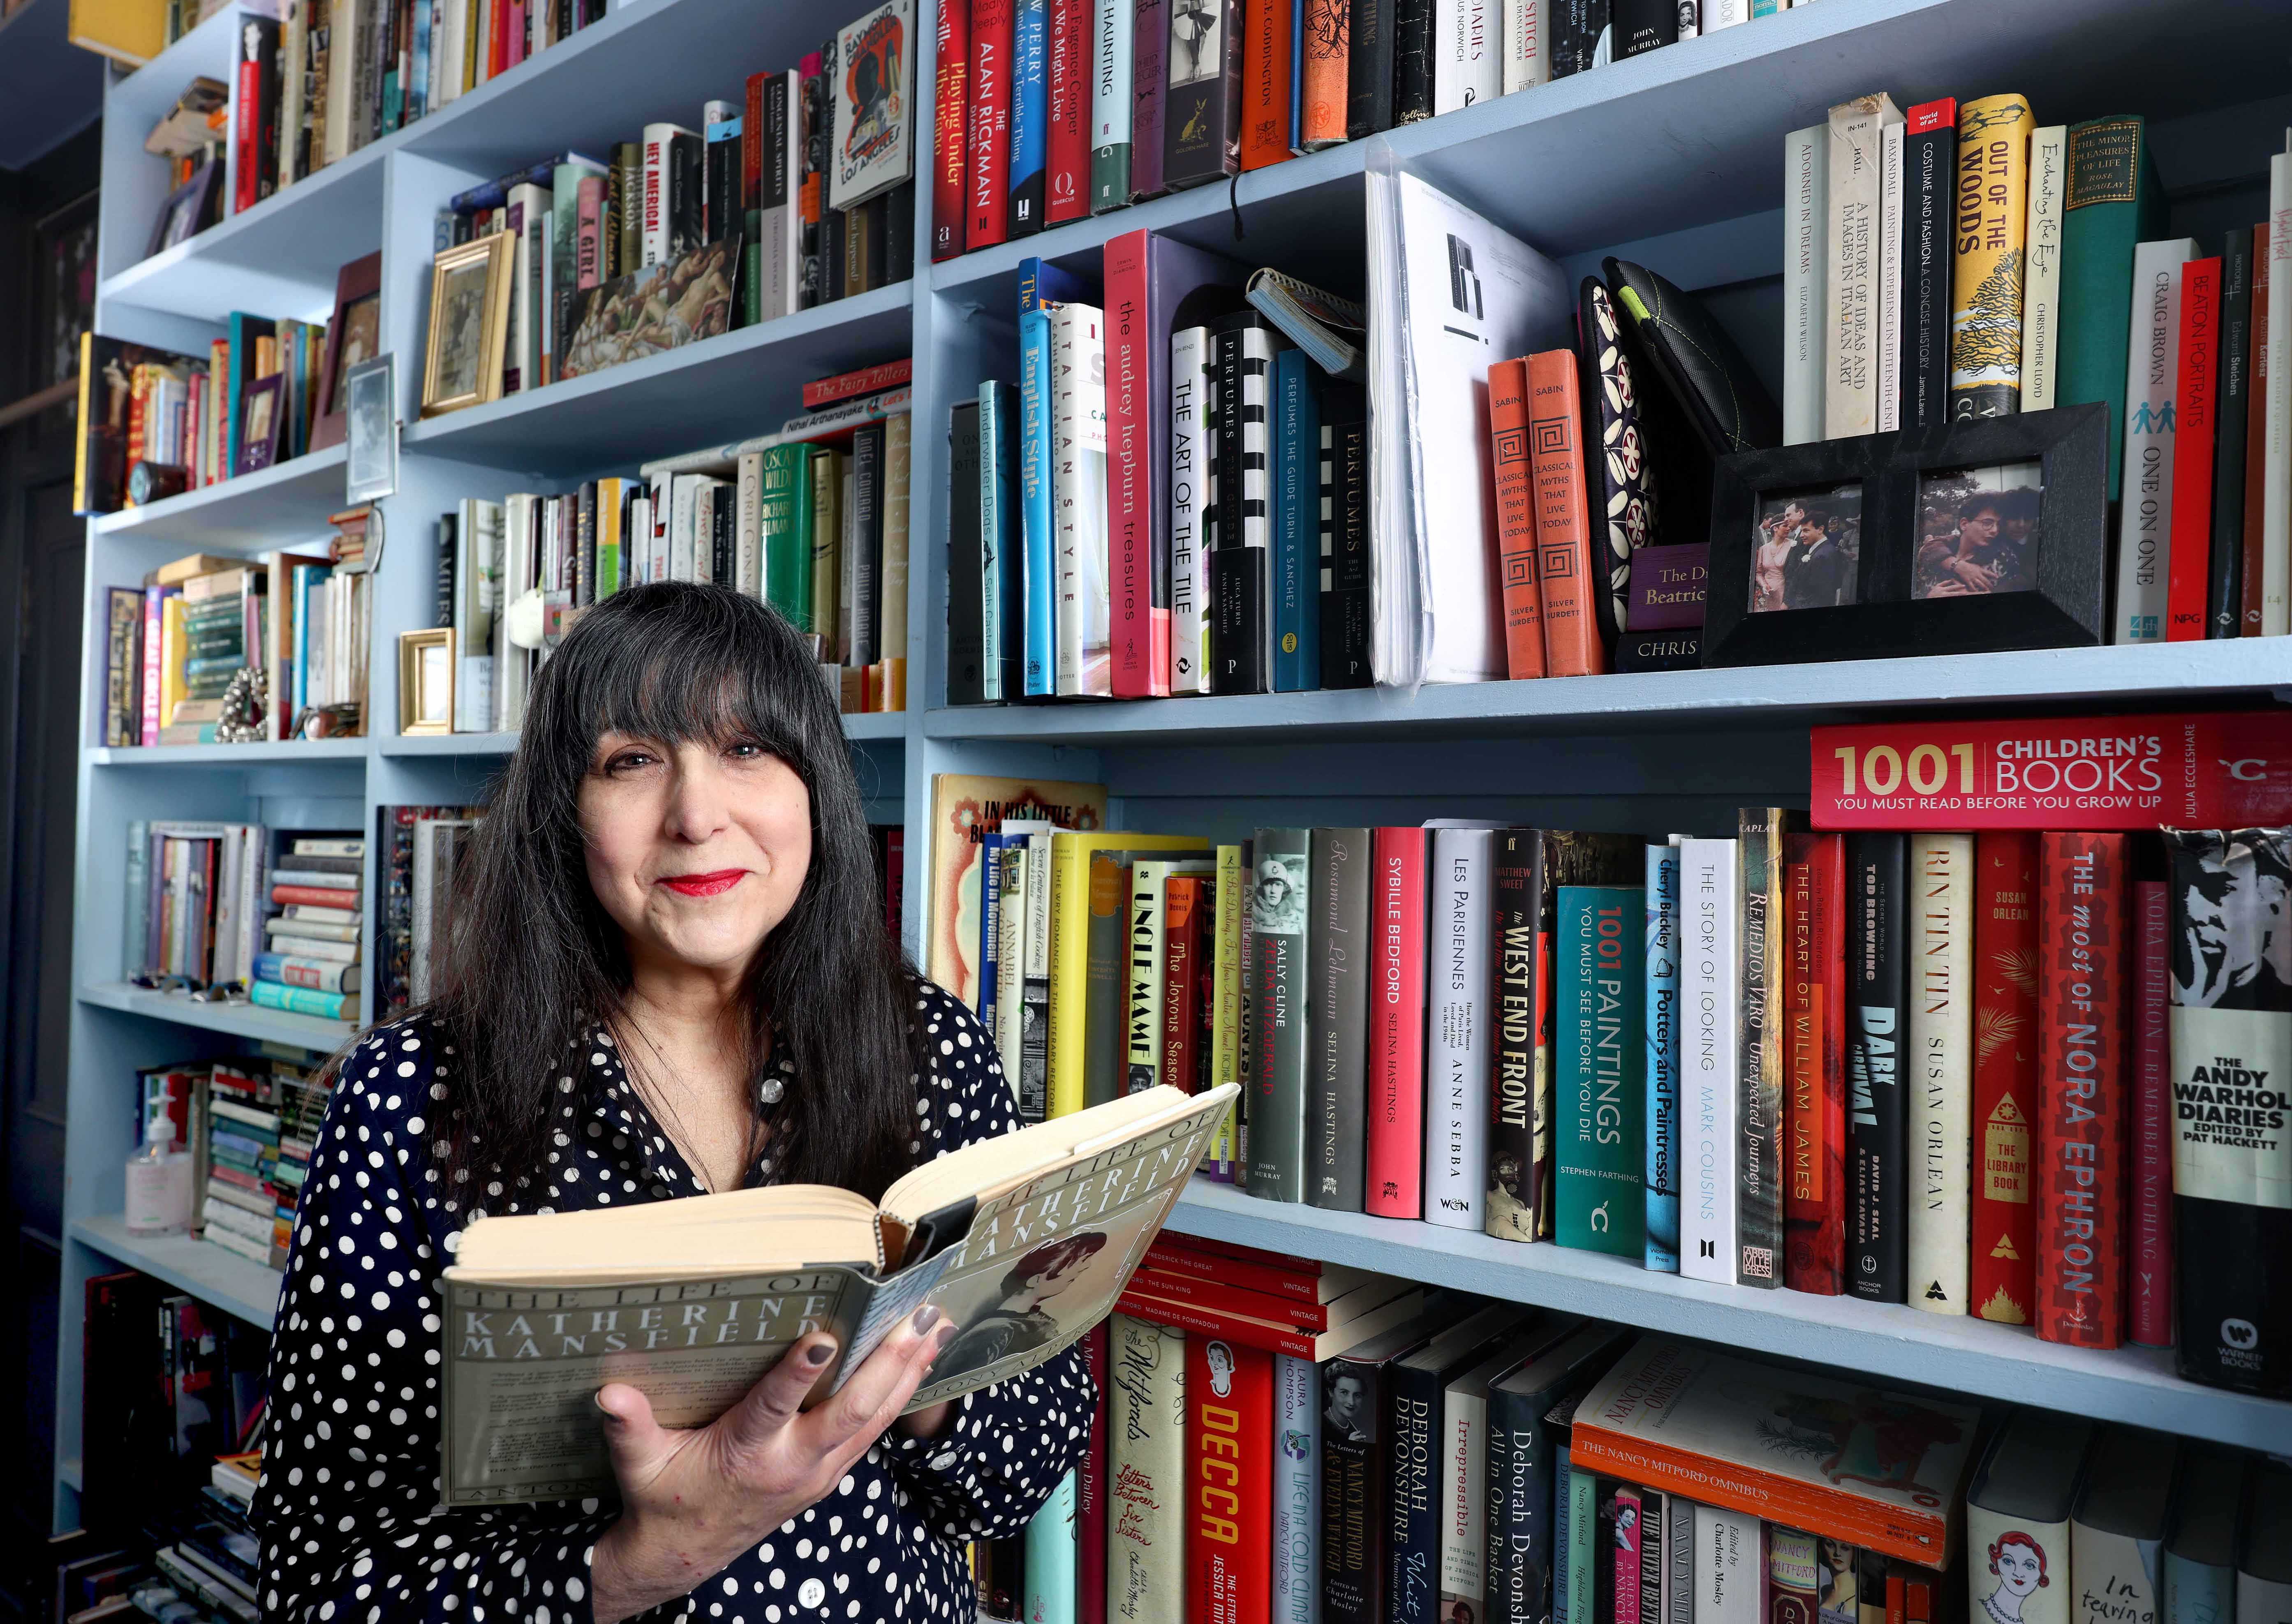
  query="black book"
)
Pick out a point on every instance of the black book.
point(1412, 60)
point(865, 572)
point(1419, 1383)
point(2224, 598)
point(1580, 36)
point(1929, 161)
point(1678, 649)
point(1877, 1219)
point(1653, 1517)
point(966, 628)
point(899, 234)
point(1344, 536)
point(1522, 1449)
point(1241, 556)
point(1370, 67)
point(832, 227)
point(721, 177)
point(1514, 1178)
point(1356, 1450)
point(1643, 25)
point(687, 208)
point(823, 239)
point(448, 533)
point(1336, 991)
point(1201, 115)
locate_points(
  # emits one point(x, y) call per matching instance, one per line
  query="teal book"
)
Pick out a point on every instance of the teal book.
point(1039, 551)
point(2112, 201)
point(304, 1000)
point(1599, 1097)
point(1052, 1592)
point(1662, 1024)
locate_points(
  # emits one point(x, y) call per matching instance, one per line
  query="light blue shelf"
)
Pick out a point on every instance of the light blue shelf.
point(239, 1286)
point(239, 1020)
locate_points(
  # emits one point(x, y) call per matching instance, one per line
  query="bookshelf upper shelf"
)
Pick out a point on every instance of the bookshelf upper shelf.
point(1890, 1341)
point(239, 1286)
point(272, 507)
point(240, 1020)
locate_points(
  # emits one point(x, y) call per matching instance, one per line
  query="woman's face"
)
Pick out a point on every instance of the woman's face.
point(2017, 1569)
point(695, 850)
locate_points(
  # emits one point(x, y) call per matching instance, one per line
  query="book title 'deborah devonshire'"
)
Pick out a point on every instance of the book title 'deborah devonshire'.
point(2217, 769)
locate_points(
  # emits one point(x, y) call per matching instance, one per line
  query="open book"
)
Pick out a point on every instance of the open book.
point(1024, 1241)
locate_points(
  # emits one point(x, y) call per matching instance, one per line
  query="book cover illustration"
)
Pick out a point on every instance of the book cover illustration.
point(967, 808)
point(875, 105)
point(666, 305)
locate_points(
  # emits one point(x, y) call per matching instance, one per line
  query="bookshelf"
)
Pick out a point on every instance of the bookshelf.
point(1674, 159)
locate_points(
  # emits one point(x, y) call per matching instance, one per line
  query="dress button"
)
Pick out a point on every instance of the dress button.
point(771, 1089)
point(811, 1593)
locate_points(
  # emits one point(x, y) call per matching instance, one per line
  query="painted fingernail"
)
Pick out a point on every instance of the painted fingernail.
point(925, 1318)
point(945, 1336)
point(819, 1353)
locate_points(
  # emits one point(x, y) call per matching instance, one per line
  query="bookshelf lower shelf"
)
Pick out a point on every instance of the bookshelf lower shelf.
point(240, 1020)
point(1889, 1341)
point(238, 1286)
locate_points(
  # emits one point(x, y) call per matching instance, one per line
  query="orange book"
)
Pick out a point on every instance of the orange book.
point(1328, 60)
point(1265, 83)
point(1523, 601)
point(1563, 523)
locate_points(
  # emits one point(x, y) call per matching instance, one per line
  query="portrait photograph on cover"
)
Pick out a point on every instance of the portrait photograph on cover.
point(1807, 549)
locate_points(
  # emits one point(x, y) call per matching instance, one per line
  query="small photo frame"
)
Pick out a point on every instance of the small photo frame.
point(1969, 537)
point(370, 466)
point(189, 209)
point(469, 324)
point(354, 334)
point(425, 682)
point(263, 424)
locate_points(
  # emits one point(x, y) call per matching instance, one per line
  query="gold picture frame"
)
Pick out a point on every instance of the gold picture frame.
point(425, 682)
point(469, 324)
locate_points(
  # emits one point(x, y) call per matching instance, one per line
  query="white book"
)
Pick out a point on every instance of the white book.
point(891, 569)
point(780, 204)
point(2116, 1533)
point(2018, 1505)
point(1110, 91)
point(1146, 1471)
point(654, 235)
point(1730, 1573)
point(683, 517)
point(1724, 14)
point(224, 964)
point(855, 604)
point(1527, 44)
point(872, 145)
point(1461, 1464)
point(2041, 267)
point(1468, 53)
point(2152, 370)
point(1940, 956)
point(283, 938)
point(512, 664)
point(342, 26)
point(1191, 497)
point(1457, 1031)
point(1710, 991)
point(1856, 246)
point(1296, 1491)
point(1010, 959)
point(1806, 210)
point(748, 527)
point(1889, 273)
point(2276, 469)
point(449, 40)
point(1078, 500)
point(531, 209)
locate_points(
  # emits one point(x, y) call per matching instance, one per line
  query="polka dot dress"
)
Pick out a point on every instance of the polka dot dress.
point(353, 1533)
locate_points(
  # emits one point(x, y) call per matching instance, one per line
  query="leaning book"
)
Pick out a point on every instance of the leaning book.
point(1025, 1242)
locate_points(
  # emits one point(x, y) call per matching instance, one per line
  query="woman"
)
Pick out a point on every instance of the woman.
point(668, 975)
point(1778, 536)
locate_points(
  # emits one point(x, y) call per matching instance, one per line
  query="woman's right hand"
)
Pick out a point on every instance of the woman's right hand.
point(692, 1499)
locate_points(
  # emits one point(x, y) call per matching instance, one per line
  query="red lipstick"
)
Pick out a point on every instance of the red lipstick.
point(714, 884)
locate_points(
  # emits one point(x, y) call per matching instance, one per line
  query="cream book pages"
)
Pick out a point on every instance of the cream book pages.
point(1024, 1241)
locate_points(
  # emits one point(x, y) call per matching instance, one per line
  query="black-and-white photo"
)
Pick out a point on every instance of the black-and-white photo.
point(1346, 1413)
point(1277, 903)
point(2232, 949)
point(370, 465)
point(1196, 51)
point(1978, 530)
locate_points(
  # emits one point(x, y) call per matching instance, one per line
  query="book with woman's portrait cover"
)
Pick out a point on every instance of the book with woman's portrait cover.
point(1024, 1241)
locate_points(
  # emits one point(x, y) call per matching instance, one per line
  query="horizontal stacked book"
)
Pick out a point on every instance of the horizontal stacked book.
point(311, 962)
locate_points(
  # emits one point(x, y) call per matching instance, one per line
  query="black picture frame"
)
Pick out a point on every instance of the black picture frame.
point(189, 209)
point(2066, 606)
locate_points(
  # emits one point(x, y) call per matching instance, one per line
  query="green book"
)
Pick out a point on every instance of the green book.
point(1051, 1558)
point(752, 270)
point(2113, 202)
point(1600, 1006)
point(788, 531)
point(1583, 1536)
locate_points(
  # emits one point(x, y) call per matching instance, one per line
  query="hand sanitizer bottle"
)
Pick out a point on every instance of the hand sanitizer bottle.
point(160, 1182)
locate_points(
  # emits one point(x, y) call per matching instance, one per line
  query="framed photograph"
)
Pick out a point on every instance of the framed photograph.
point(189, 209)
point(469, 324)
point(354, 334)
point(1968, 537)
point(265, 420)
point(661, 307)
point(370, 467)
point(425, 681)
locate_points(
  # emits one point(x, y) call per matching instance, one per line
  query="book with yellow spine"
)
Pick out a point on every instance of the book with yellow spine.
point(1071, 1036)
point(1988, 243)
point(1224, 1160)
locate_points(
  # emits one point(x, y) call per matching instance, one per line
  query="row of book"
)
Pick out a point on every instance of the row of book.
point(813, 521)
point(249, 1128)
point(1958, 261)
point(1050, 110)
point(300, 622)
point(273, 912)
point(1493, 1463)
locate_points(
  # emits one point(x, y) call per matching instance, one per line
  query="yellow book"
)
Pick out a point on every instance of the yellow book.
point(1071, 881)
point(1990, 232)
point(826, 545)
point(1226, 960)
point(128, 31)
point(171, 654)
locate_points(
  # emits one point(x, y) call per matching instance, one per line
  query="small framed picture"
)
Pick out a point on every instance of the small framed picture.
point(425, 681)
point(1968, 537)
point(354, 334)
point(189, 209)
point(263, 419)
point(469, 324)
point(370, 467)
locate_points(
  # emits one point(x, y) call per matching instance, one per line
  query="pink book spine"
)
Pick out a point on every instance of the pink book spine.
point(155, 601)
point(1140, 627)
point(1396, 1070)
point(2151, 1229)
point(1628, 1511)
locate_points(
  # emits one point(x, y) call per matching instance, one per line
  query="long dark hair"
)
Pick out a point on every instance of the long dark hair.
point(536, 962)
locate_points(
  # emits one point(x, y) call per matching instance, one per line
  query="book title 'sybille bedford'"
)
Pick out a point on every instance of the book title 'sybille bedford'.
point(1024, 1241)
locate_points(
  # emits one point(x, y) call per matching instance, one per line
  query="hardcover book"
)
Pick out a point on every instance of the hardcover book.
point(1297, 1534)
point(1356, 1475)
point(2018, 1505)
point(1109, 107)
point(1456, 1020)
point(1519, 1128)
point(1419, 1448)
point(2188, 575)
point(1759, 1071)
point(2152, 373)
point(1929, 173)
point(1337, 993)
point(1814, 1204)
point(2041, 292)
point(950, 122)
point(1230, 1445)
point(2149, 1206)
point(1395, 1116)
point(1201, 139)
point(1940, 947)
point(1149, 92)
point(753, 1270)
point(2111, 201)
point(2007, 1131)
point(1599, 953)
point(1859, 257)
point(1993, 174)
point(1276, 1109)
point(1710, 993)
point(1515, 512)
point(873, 142)
point(1067, 147)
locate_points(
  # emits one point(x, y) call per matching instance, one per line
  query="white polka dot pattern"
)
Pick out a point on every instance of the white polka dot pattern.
point(353, 1533)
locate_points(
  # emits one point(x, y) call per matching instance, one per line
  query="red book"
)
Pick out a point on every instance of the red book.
point(1229, 1482)
point(2150, 1212)
point(1066, 167)
point(496, 37)
point(1524, 604)
point(1090, 1492)
point(950, 122)
point(1266, 37)
point(1217, 1297)
point(1266, 1279)
point(1183, 915)
point(2004, 1224)
point(987, 222)
point(249, 136)
point(1396, 1026)
point(1814, 1199)
point(2082, 956)
point(2256, 437)
point(1563, 523)
point(315, 897)
point(2191, 567)
point(752, 140)
point(866, 381)
point(2208, 771)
